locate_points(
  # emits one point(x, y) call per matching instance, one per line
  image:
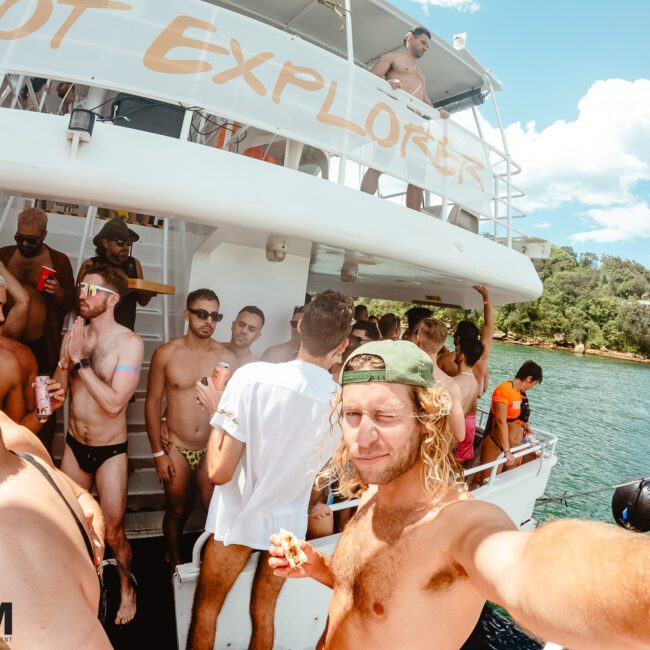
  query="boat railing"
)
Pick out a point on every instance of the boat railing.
point(492, 203)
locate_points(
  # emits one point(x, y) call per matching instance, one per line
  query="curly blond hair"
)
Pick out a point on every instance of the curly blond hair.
point(432, 405)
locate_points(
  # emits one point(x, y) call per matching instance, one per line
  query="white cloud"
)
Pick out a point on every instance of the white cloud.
point(461, 5)
point(595, 160)
point(542, 224)
point(618, 224)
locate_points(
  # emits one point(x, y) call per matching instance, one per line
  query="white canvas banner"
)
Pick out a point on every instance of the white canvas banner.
point(204, 56)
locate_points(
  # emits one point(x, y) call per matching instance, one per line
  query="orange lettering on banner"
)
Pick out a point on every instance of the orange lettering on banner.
point(156, 59)
point(326, 117)
point(78, 8)
point(393, 133)
point(244, 68)
point(420, 138)
point(474, 167)
point(289, 75)
point(442, 155)
point(40, 17)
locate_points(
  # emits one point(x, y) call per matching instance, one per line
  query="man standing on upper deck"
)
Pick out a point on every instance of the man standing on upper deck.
point(101, 362)
point(245, 330)
point(401, 71)
point(47, 308)
point(112, 245)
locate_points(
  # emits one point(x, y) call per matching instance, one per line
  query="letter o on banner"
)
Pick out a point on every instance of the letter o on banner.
point(389, 140)
point(40, 16)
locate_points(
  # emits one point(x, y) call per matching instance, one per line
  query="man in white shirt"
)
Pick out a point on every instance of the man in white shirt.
point(272, 421)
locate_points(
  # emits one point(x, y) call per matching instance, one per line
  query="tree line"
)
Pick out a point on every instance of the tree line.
point(586, 299)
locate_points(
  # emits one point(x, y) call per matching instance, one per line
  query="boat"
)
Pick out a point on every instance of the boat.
point(234, 135)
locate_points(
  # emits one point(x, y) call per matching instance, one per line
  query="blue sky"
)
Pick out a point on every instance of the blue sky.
point(593, 193)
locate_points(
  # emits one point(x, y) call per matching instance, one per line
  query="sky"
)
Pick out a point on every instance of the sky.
point(576, 105)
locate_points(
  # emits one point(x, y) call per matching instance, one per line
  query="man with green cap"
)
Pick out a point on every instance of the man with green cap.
point(416, 564)
point(112, 245)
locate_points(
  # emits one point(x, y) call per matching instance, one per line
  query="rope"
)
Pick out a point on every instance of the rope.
point(565, 497)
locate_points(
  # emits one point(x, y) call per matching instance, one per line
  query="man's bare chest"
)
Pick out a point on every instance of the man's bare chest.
point(185, 368)
point(103, 357)
point(28, 269)
point(379, 572)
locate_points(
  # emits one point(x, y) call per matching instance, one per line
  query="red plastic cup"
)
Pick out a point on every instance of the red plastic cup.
point(46, 272)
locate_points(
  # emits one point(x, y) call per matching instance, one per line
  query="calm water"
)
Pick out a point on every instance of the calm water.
point(600, 411)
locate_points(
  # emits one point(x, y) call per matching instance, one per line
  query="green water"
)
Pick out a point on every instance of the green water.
point(600, 411)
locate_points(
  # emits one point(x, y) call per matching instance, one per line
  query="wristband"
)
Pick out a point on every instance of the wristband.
point(159, 454)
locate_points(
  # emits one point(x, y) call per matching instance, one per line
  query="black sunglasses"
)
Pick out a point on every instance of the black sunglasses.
point(120, 242)
point(19, 238)
point(201, 314)
point(293, 323)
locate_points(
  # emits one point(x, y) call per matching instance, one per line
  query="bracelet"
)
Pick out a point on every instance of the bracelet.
point(159, 454)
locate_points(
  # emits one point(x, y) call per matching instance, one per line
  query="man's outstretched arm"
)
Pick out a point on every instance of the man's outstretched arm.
point(580, 584)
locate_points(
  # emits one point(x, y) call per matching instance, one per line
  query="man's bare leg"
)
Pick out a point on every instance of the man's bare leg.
point(264, 595)
point(414, 197)
point(111, 480)
point(220, 569)
point(178, 505)
point(206, 487)
point(370, 181)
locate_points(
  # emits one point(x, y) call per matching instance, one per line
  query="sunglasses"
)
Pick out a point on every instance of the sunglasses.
point(293, 323)
point(19, 238)
point(202, 314)
point(86, 289)
point(121, 243)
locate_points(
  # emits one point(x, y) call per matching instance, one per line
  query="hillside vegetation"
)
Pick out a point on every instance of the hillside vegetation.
point(585, 300)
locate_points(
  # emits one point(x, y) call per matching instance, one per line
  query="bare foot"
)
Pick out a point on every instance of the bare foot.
point(126, 612)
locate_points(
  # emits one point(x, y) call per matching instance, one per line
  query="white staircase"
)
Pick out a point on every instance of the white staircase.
point(65, 233)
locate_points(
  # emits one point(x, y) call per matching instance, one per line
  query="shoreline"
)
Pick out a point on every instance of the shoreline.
point(550, 345)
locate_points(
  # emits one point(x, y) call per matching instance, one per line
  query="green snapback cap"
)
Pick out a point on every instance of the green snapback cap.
point(405, 363)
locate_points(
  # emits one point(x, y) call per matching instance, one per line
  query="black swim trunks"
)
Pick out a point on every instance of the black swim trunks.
point(91, 458)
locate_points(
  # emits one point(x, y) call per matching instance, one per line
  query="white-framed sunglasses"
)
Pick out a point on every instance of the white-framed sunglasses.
point(87, 289)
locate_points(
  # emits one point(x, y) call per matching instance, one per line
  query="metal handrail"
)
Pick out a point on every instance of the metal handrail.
point(495, 197)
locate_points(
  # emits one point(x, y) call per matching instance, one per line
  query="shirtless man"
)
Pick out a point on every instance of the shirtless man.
point(47, 569)
point(401, 71)
point(13, 323)
point(47, 308)
point(288, 350)
point(27, 367)
point(101, 362)
point(467, 329)
point(468, 352)
point(430, 336)
point(245, 329)
point(416, 564)
point(175, 368)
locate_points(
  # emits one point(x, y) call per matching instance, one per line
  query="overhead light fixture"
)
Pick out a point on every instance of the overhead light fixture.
point(80, 128)
point(474, 97)
point(276, 248)
point(349, 272)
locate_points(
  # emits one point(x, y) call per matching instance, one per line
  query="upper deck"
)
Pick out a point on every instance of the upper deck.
point(276, 81)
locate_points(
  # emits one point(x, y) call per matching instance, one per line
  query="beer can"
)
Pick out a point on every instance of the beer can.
point(43, 402)
point(221, 374)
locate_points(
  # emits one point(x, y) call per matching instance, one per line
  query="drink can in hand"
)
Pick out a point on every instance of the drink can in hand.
point(220, 375)
point(46, 272)
point(43, 401)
